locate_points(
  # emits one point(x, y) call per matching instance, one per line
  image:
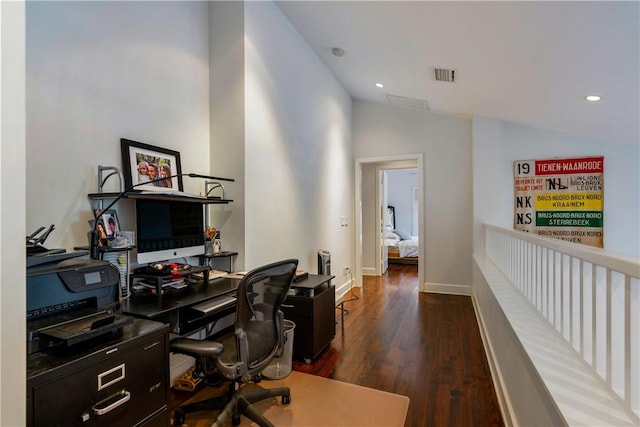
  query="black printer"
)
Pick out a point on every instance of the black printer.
point(71, 301)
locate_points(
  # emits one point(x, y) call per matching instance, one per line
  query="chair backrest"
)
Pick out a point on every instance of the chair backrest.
point(259, 321)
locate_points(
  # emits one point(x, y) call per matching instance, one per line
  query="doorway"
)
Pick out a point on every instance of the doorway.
point(401, 228)
point(365, 229)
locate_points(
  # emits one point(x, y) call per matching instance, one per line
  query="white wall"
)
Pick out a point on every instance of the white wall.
point(497, 144)
point(228, 121)
point(100, 71)
point(298, 158)
point(380, 131)
point(12, 213)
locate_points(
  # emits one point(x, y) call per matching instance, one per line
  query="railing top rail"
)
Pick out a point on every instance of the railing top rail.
point(613, 261)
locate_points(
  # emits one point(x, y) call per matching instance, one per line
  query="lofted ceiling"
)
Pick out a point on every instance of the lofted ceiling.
point(527, 62)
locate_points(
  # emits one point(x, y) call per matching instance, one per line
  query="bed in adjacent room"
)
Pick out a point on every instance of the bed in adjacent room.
point(402, 248)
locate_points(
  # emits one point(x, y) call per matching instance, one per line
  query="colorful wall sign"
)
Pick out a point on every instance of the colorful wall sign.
point(561, 198)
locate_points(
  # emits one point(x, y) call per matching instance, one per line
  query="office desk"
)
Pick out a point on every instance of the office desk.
point(310, 304)
point(176, 309)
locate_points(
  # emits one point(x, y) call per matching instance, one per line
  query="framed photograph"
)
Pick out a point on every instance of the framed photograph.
point(102, 232)
point(150, 168)
point(109, 223)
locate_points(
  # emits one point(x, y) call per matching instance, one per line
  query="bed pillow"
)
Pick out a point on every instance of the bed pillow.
point(402, 234)
point(390, 235)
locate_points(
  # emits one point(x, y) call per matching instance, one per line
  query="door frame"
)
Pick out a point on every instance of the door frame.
point(381, 206)
point(418, 158)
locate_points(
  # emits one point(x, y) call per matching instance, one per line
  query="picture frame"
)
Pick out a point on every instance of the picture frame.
point(109, 221)
point(144, 162)
point(101, 230)
point(108, 225)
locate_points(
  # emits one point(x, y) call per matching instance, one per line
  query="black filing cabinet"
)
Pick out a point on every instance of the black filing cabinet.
point(118, 380)
point(311, 306)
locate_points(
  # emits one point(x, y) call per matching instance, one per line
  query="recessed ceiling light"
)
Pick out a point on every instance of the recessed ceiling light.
point(592, 98)
point(337, 51)
point(379, 85)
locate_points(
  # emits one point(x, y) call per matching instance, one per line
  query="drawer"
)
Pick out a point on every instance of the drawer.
point(119, 390)
point(298, 307)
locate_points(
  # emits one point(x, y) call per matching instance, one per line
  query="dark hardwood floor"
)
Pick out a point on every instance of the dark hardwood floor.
point(425, 346)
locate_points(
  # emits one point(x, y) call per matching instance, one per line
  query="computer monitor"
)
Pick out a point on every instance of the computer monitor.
point(168, 229)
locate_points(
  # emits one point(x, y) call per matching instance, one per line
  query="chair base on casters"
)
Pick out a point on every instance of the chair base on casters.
point(238, 403)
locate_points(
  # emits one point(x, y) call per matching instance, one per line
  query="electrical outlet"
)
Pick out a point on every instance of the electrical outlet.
point(345, 271)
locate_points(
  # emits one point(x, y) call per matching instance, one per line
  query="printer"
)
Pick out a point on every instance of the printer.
point(71, 301)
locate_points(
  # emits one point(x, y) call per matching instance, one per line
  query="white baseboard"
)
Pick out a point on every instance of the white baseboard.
point(341, 290)
point(443, 288)
point(368, 271)
point(506, 408)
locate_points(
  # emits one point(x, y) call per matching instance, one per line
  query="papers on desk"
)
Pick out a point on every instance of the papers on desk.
point(170, 193)
point(300, 275)
point(143, 285)
point(213, 274)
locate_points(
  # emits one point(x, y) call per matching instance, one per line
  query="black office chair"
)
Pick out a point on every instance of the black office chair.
point(258, 338)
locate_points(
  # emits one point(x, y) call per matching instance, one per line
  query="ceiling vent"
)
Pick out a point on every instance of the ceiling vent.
point(445, 75)
point(408, 103)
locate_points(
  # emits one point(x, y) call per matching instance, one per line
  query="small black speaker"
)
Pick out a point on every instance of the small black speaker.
point(324, 262)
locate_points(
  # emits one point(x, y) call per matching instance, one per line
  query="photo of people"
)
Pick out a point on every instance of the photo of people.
point(108, 225)
point(143, 171)
point(112, 229)
point(165, 172)
point(102, 233)
point(152, 169)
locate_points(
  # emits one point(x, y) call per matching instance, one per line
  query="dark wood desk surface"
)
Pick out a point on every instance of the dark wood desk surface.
point(312, 281)
point(151, 306)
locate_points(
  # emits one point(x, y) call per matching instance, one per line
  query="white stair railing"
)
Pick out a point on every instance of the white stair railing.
point(590, 296)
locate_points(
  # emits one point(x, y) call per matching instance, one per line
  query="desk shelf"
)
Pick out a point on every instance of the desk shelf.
point(160, 196)
point(208, 258)
point(161, 280)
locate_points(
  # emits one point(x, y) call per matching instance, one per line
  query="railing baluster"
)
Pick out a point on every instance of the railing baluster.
point(632, 343)
point(544, 271)
point(537, 282)
point(567, 313)
point(608, 329)
point(628, 374)
point(594, 317)
point(581, 303)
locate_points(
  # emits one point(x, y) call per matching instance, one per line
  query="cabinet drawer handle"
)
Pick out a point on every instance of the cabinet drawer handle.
point(151, 345)
point(287, 305)
point(107, 405)
point(111, 376)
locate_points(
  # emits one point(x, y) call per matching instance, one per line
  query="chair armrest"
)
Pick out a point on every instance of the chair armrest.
point(193, 347)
